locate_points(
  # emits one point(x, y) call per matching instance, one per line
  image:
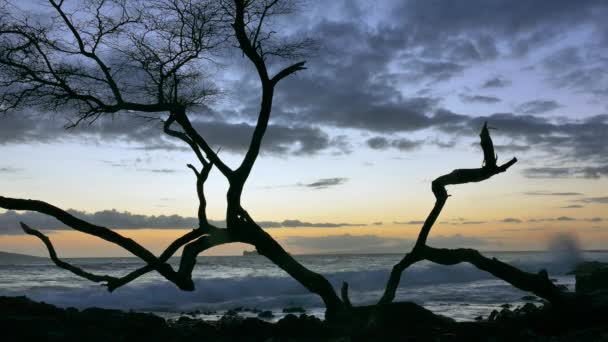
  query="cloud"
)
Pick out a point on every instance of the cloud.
point(572, 206)
point(511, 220)
point(324, 183)
point(496, 82)
point(591, 172)
point(401, 144)
point(357, 81)
point(479, 99)
point(549, 193)
point(234, 137)
point(348, 243)
point(416, 222)
point(537, 106)
point(9, 169)
point(302, 224)
point(9, 221)
point(565, 218)
point(597, 200)
point(161, 170)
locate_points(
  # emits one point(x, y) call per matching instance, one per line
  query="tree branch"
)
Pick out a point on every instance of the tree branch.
point(62, 264)
point(459, 176)
point(168, 253)
point(537, 283)
point(182, 119)
point(288, 71)
point(101, 232)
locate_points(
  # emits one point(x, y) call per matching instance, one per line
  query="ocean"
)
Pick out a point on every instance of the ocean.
point(253, 283)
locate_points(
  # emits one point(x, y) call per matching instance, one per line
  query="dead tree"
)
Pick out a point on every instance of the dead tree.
point(67, 64)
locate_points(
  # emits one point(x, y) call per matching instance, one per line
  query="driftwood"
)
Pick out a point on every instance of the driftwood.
point(247, 19)
point(538, 283)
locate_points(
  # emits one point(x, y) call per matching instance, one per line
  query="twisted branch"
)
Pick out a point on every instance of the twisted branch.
point(539, 283)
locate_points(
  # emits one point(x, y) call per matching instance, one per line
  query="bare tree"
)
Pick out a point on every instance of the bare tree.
point(120, 57)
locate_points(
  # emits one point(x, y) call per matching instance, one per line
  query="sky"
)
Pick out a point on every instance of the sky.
point(394, 95)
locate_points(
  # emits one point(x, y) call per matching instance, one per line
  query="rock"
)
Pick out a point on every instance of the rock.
point(591, 276)
point(506, 306)
point(303, 326)
point(479, 318)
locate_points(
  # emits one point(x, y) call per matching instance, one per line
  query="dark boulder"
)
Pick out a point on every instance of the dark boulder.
point(591, 276)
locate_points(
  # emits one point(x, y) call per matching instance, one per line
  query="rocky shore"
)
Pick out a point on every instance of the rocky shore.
point(585, 319)
point(24, 320)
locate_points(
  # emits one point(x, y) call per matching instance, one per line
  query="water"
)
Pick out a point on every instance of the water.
point(222, 283)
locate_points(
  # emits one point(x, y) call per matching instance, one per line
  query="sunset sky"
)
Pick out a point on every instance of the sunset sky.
point(394, 96)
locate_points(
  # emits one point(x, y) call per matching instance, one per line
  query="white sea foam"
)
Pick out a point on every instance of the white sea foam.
point(459, 291)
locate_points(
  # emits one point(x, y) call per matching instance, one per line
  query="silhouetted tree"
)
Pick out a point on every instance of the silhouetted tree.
point(121, 57)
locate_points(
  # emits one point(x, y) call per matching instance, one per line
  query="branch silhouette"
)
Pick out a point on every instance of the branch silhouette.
point(163, 52)
point(539, 283)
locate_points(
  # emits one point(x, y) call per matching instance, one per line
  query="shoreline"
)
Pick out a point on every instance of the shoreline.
point(24, 319)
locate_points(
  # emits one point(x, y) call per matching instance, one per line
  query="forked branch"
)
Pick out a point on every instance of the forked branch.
point(63, 264)
point(539, 283)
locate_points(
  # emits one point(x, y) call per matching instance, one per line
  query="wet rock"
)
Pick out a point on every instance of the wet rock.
point(591, 276)
point(303, 326)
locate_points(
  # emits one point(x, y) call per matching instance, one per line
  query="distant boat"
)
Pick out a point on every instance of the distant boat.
point(254, 252)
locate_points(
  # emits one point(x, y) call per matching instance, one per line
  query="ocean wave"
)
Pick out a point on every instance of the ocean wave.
point(422, 283)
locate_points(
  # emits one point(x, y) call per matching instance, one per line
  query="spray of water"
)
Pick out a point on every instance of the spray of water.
point(564, 249)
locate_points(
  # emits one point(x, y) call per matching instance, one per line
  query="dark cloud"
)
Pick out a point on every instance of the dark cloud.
point(325, 183)
point(579, 142)
point(9, 221)
point(10, 169)
point(416, 222)
point(549, 193)
point(496, 82)
point(600, 200)
point(473, 222)
point(537, 106)
point(401, 144)
point(591, 172)
point(435, 71)
point(348, 243)
point(572, 206)
point(523, 25)
point(356, 81)
point(302, 224)
point(378, 143)
point(565, 218)
point(235, 137)
point(555, 219)
point(511, 220)
point(479, 99)
point(579, 69)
